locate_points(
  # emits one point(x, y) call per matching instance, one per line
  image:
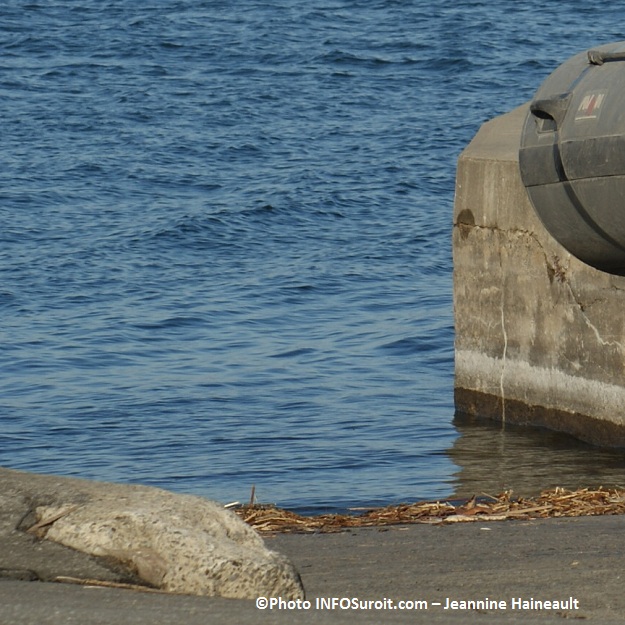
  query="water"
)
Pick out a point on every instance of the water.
point(225, 248)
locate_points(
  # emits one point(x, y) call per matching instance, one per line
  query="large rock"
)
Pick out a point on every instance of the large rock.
point(178, 543)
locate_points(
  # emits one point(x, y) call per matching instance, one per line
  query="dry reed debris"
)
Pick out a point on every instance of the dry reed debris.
point(557, 502)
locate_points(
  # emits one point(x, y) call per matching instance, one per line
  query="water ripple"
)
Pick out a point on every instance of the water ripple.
point(225, 246)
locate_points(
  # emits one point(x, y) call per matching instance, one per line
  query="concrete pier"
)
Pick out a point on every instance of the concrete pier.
point(540, 336)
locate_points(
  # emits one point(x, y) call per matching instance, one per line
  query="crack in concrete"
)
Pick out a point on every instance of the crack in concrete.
point(562, 275)
point(502, 390)
point(503, 361)
point(594, 328)
point(581, 308)
point(563, 279)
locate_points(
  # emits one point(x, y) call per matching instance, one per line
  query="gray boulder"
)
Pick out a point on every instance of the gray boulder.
point(178, 543)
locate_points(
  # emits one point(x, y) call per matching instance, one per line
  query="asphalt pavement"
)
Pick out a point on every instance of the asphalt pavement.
point(363, 575)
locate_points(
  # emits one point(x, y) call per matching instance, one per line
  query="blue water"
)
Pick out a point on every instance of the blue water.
point(225, 247)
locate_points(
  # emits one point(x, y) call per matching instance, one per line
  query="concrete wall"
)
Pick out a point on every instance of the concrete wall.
point(540, 336)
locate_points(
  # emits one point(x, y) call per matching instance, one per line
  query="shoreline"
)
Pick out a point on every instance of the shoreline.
point(359, 570)
point(552, 503)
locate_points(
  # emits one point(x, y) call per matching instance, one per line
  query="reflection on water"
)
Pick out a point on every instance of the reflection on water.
point(492, 458)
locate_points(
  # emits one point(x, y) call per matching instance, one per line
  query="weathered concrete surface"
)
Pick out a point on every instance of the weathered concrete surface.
point(178, 543)
point(540, 336)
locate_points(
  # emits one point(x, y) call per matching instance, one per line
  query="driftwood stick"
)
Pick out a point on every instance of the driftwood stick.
point(51, 519)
